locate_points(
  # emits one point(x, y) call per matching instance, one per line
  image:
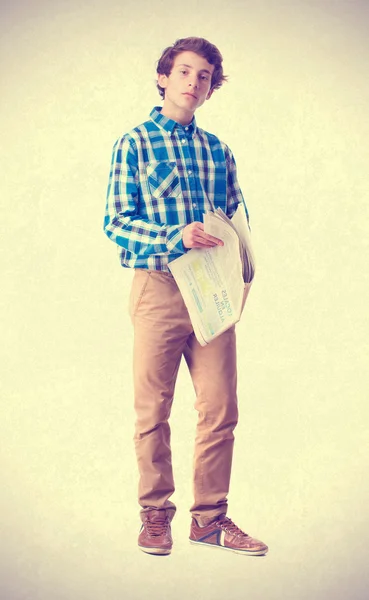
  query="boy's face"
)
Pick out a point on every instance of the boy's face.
point(187, 87)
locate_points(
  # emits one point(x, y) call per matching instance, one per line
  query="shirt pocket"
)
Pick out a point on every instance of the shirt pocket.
point(163, 179)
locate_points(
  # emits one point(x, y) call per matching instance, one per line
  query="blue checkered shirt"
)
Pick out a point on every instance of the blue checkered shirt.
point(164, 176)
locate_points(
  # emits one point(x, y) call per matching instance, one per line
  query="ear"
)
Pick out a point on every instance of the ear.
point(162, 80)
point(210, 94)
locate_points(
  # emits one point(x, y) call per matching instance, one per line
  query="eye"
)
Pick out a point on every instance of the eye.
point(205, 77)
point(183, 71)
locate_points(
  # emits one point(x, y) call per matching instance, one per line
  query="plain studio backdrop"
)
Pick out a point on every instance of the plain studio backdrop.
point(75, 76)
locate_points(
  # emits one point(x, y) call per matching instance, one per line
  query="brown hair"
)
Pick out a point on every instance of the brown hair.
point(199, 46)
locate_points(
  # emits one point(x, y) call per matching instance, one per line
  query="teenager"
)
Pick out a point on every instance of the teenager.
point(164, 175)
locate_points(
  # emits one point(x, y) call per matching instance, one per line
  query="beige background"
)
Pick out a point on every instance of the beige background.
point(75, 75)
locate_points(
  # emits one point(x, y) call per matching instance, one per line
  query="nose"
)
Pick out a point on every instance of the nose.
point(193, 83)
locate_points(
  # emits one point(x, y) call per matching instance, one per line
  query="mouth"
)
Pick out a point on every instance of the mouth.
point(191, 95)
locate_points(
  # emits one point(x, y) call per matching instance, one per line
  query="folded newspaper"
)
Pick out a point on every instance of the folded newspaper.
point(215, 282)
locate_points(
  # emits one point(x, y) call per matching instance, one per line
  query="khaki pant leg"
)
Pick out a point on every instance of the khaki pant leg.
point(213, 370)
point(161, 328)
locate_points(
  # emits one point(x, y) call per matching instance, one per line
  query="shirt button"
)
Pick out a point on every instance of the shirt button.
point(186, 128)
point(189, 172)
point(183, 141)
point(194, 204)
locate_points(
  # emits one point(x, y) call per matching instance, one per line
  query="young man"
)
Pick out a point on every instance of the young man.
point(165, 174)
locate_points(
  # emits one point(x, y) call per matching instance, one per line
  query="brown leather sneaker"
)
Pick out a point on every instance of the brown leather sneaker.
point(155, 534)
point(223, 533)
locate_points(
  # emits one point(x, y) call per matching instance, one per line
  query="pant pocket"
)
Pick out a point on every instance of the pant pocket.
point(139, 283)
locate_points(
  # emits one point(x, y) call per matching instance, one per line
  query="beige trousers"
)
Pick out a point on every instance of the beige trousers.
point(162, 334)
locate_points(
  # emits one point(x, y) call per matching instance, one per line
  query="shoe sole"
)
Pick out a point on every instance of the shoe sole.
point(157, 551)
point(236, 551)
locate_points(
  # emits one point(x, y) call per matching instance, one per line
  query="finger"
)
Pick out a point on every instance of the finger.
point(211, 238)
point(203, 242)
point(203, 246)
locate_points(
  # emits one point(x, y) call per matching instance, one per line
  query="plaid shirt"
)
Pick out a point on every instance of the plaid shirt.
point(163, 177)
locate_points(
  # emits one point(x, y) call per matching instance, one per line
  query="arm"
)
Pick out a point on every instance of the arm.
point(234, 194)
point(123, 224)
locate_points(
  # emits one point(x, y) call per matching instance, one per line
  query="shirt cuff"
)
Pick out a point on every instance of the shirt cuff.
point(174, 239)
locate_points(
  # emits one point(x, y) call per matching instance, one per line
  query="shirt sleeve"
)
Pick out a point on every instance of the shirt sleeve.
point(234, 194)
point(123, 224)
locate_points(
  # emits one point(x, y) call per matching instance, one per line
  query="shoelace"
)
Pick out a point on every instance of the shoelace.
point(227, 524)
point(156, 528)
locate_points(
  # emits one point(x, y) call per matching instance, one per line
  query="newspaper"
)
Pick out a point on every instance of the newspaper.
point(215, 282)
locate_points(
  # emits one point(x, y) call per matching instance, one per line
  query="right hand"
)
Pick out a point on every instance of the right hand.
point(194, 236)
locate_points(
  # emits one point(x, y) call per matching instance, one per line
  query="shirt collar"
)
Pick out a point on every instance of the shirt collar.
point(170, 125)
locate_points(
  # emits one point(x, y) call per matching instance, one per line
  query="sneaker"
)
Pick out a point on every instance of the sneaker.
point(223, 533)
point(155, 534)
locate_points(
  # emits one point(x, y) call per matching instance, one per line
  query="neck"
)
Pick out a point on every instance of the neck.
point(179, 115)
